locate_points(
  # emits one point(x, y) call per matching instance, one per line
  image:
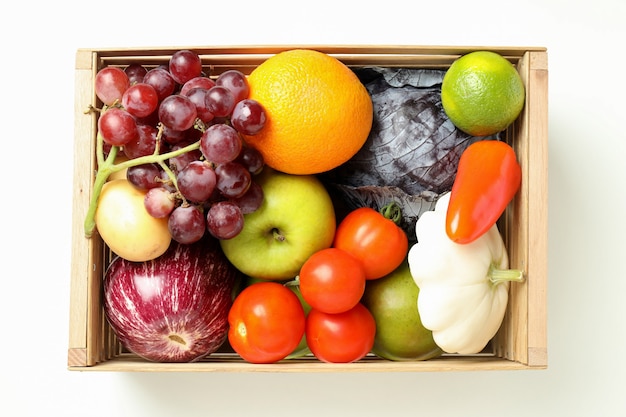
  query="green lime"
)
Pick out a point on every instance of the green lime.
point(482, 93)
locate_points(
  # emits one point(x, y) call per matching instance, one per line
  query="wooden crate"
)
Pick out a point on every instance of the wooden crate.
point(521, 342)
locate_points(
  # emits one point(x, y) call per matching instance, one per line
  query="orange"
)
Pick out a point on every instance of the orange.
point(482, 93)
point(318, 112)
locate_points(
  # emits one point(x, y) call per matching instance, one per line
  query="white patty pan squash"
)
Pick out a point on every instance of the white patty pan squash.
point(463, 287)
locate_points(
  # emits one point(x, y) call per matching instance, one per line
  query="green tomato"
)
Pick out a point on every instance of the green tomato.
point(400, 335)
point(302, 349)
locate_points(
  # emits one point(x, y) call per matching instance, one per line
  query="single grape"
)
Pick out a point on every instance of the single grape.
point(192, 135)
point(233, 179)
point(135, 73)
point(177, 112)
point(197, 82)
point(159, 202)
point(117, 127)
point(252, 159)
point(140, 99)
point(220, 101)
point(198, 98)
point(145, 176)
point(145, 143)
point(224, 220)
point(178, 163)
point(161, 80)
point(252, 199)
point(110, 84)
point(173, 136)
point(166, 182)
point(196, 181)
point(220, 143)
point(248, 117)
point(186, 224)
point(236, 82)
point(185, 65)
point(152, 119)
point(106, 147)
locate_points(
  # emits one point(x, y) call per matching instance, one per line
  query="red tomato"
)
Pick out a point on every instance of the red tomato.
point(341, 338)
point(373, 238)
point(266, 321)
point(332, 280)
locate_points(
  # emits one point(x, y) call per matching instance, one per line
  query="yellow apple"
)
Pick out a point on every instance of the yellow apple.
point(126, 227)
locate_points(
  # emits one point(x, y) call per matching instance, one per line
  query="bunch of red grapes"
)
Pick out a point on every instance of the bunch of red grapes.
point(151, 112)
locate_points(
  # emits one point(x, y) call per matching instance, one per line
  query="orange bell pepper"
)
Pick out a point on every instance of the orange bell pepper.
point(488, 177)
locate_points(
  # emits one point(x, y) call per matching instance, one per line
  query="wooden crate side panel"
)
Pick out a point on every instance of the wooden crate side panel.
point(518, 307)
point(523, 334)
point(246, 58)
point(232, 363)
point(510, 342)
point(538, 211)
point(233, 52)
point(87, 265)
point(80, 302)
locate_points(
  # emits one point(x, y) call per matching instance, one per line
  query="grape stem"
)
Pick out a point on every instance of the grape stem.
point(107, 166)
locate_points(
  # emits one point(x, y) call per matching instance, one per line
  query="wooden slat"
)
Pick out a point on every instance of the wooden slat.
point(83, 167)
point(538, 210)
point(87, 261)
point(246, 58)
point(348, 50)
point(523, 334)
point(77, 357)
point(510, 342)
point(517, 311)
point(132, 363)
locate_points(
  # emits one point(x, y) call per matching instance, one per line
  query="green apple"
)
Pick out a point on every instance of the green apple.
point(400, 335)
point(296, 219)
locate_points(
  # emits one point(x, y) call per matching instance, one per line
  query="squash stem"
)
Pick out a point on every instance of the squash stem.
point(498, 276)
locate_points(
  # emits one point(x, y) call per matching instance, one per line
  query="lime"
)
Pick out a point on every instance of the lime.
point(482, 93)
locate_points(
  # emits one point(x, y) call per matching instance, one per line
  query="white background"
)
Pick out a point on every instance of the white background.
point(587, 205)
